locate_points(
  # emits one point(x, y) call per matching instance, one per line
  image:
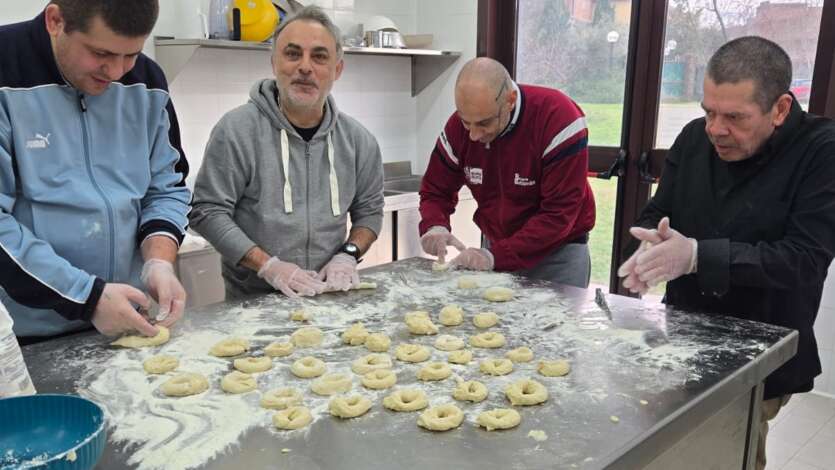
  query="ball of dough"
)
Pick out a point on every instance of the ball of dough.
point(370, 362)
point(485, 319)
point(299, 314)
point(499, 418)
point(487, 340)
point(407, 399)
point(295, 417)
point(307, 337)
point(349, 406)
point(449, 343)
point(355, 335)
point(279, 349)
point(496, 366)
point(331, 384)
point(498, 294)
point(463, 356)
point(434, 371)
point(281, 398)
point(419, 323)
point(377, 342)
point(251, 365)
point(160, 364)
point(137, 341)
point(308, 367)
point(238, 382)
point(436, 266)
point(467, 282)
point(520, 354)
point(441, 418)
point(185, 384)
point(470, 390)
point(556, 368)
point(526, 392)
point(451, 315)
point(379, 379)
point(412, 353)
point(230, 347)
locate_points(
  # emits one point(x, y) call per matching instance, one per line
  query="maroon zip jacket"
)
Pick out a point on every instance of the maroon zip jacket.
point(530, 182)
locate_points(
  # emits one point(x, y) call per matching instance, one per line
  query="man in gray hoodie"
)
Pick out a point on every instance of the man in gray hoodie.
point(282, 172)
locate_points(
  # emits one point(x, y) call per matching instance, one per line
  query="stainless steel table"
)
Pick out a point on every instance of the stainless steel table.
point(649, 388)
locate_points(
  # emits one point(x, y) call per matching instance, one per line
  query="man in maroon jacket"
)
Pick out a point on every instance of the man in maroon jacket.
point(522, 152)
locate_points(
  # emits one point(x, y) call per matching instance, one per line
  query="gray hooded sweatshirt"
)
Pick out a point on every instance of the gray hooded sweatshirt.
point(243, 196)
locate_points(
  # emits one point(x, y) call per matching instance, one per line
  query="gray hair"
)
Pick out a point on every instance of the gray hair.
point(316, 15)
point(757, 59)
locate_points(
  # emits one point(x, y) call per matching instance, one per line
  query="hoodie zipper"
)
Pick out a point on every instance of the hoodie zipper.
point(307, 206)
point(82, 103)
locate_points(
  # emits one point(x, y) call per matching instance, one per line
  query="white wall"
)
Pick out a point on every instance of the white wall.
point(825, 333)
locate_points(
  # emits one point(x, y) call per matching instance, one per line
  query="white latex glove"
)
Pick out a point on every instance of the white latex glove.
point(631, 281)
point(670, 259)
point(340, 273)
point(290, 279)
point(163, 285)
point(477, 259)
point(435, 241)
point(114, 313)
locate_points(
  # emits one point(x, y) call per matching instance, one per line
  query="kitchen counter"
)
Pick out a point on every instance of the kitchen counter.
point(649, 387)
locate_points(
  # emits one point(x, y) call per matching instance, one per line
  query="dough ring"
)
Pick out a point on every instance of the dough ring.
point(160, 364)
point(281, 398)
point(451, 315)
point(137, 341)
point(526, 392)
point(379, 379)
point(500, 366)
point(371, 362)
point(412, 353)
point(355, 335)
point(470, 390)
point(349, 406)
point(449, 343)
point(434, 371)
point(377, 342)
point(487, 340)
point(295, 417)
point(253, 364)
point(419, 323)
point(308, 367)
point(467, 282)
point(185, 384)
point(463, 356)
point(238, 382)
point(307, 337)
point(441, 418)
point(331, 384)
point(279, 349)
point(299, 314)
point(485, 319)
point(499, 418)
point(407, 399)
point(498, 294)
point(521, 354)
point(230, 347)
point(556, 368)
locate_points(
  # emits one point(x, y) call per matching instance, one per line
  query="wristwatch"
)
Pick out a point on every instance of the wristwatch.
point(351, 249)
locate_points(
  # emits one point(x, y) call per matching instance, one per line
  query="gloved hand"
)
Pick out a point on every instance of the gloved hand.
point(163, 285)
point(290, 279)
point(670, 259)
point(627, 269)
point(435, 241)
point(340, 273)
point(477, 259)
point(114, 313)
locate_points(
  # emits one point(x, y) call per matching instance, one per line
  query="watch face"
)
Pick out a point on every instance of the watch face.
point(351, 249)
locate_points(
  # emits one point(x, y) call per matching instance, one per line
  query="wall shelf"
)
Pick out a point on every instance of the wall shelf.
point(427, 65)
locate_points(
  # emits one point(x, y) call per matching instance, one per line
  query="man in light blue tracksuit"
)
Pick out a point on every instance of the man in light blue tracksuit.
point(282, 173)
point(92, 200)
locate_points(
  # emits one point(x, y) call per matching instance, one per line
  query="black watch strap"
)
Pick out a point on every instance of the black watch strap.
point(351, 249)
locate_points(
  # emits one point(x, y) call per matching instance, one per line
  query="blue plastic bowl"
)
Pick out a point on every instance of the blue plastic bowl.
point(51, 432)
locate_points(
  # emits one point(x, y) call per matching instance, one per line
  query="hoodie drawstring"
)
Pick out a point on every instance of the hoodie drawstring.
point(334, 181)
point(288, 189)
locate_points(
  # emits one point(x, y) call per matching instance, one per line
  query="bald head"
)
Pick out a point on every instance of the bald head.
point(483, 75)
point(484, 98)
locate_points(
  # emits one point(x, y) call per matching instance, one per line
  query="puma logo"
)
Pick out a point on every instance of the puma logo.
point(39, 142)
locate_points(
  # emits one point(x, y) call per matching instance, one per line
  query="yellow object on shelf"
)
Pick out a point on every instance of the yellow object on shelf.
point(258, 19)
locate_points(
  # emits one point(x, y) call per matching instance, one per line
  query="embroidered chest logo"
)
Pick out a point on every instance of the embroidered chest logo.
point(39, 142)
point(473, 175)
point(521, 181)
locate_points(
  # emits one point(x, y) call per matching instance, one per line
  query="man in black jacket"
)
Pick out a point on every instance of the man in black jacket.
point(743, 222)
